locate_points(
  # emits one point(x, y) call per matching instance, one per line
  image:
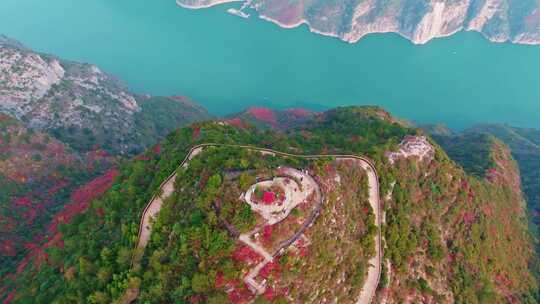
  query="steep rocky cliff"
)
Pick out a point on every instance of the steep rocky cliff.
point(517, 21)
point(82, 105)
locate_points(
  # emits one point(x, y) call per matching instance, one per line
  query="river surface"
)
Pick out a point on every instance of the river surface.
point(226, 63)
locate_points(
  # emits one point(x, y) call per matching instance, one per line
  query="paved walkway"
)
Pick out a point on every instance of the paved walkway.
point(374, 271)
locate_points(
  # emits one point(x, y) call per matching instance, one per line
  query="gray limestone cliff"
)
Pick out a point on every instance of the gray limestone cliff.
point(516, 21)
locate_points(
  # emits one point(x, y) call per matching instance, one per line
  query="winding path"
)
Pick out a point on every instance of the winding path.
point(167, 188)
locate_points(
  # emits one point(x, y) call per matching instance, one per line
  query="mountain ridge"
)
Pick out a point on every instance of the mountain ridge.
point(441, 227)
point(416, 20)
point(525, 148)
point(82, 105)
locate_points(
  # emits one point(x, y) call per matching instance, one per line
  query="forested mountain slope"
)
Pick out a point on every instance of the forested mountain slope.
point(63, 125)
point(523, 143)
point(83, 106)
point(37, 174)
point(448, 237)
point(266, 118)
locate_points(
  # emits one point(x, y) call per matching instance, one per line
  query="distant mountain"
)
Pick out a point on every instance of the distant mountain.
point(447, 236)
point(83, 106)
point(266, 118)
point(417, 20)
point(524, 144)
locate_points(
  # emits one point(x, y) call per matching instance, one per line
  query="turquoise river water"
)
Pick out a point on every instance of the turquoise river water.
point(227, 63)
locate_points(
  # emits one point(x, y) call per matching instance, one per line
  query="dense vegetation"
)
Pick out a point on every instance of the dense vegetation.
point(471, 151)
point(158, 117)
point(190, 235)
point(523, 143)
point(37, 175)
point(40, 171)
point(449, 237)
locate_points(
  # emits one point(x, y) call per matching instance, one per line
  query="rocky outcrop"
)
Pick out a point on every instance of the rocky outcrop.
point(417, 20)
point(24, 78)
point(80, 104)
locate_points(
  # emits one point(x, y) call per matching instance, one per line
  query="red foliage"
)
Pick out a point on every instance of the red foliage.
point(268, 269)
point(157, 149)
point(30, 246)
point(240, 294)
point(245, 254)
point(196, 299)
point(328, 168)
point(94, 188)
point(269, 294)
point(264, 114)
point(471, 195)
point(9, 298)
point(7, 248)
point(220, 280)
point(234, 296)
point(237, 122)
point(23, 202)
point(502, 280)
point(492, 175)
point(451, 257)
point(267, 234)
point(81, 198)
point(303, 251)
point(24, 262)
point(100, 212)
point(468, 218)
point(269, 197)
point(196, 132)
point(57, 149)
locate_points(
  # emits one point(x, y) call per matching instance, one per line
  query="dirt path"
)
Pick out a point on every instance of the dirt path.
point(374, 272)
